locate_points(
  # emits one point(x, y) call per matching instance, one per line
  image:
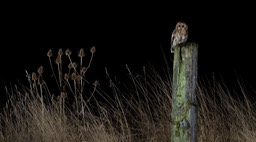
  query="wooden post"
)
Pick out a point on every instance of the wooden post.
point(184, 103)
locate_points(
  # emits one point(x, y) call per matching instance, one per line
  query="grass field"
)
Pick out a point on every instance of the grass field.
point(135, 110)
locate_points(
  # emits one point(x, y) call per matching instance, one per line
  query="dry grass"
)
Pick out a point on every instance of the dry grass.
point(136, 110)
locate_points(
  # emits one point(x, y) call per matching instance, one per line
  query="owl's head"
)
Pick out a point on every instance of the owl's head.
point(181, 25)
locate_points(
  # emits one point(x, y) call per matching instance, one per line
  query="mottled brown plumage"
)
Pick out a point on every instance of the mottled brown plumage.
point(179, 35)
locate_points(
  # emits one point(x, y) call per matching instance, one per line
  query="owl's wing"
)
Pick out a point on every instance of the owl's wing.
point(172, 40)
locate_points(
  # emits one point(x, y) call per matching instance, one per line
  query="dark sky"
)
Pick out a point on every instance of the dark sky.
point(127, 34)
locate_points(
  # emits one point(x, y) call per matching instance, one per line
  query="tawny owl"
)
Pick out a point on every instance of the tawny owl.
point(179, 35)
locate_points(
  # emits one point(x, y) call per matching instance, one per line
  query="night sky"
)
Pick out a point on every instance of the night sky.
point(133, 35)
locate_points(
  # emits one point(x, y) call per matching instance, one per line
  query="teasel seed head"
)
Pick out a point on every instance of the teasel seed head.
point(83, 70)
point(49, 53)
point(78, 78)
point(58, 60)
point(96, 83)
point(72, 65)
point(66, 76)
point(81, 53)
point(62, 95)
point(40, 70)
point(68, 52)
point(60, 52)
point(73, 76)
point(34, 76)
point(93, 49)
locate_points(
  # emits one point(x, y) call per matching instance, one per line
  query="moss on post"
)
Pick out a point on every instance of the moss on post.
point(184, 103)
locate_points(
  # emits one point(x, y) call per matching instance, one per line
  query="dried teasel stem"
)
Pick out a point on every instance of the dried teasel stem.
point(93, 50)
point(40, 80)
point(58, 62)
point(49, 54)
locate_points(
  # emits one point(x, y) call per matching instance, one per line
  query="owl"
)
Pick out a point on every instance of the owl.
point(179, 35)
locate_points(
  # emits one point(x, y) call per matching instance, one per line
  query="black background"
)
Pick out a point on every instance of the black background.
point(133, 34)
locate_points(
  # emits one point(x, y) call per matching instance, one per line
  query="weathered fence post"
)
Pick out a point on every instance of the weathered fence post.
point(184, 103)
